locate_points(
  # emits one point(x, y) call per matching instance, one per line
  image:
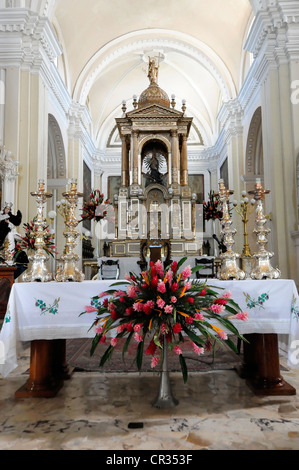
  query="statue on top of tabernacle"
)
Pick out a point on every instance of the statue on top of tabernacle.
point(152, 71)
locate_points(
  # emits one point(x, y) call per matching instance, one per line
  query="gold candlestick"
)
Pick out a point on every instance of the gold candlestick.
point(244, 210)
point(68, 269)
point(263, 268)
point(229, 268)
point(38, 270)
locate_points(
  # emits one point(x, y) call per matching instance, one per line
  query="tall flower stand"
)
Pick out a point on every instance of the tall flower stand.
point(164, 398)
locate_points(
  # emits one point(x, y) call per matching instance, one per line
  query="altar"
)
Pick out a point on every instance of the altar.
point(46, 314)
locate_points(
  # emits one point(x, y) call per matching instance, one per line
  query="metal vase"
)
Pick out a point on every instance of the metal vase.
point(164, 398)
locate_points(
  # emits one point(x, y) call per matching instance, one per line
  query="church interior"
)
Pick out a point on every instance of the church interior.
point(134, 132)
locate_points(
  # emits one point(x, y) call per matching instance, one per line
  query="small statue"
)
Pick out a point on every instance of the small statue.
point(152, 71)
point(8, 224)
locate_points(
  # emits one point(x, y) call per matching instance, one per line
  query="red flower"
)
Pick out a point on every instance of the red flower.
point(190, 300)
point(151, 348)
point(176, 328)
point(174, 287)
point(221, 301)
point(174, 266)
point(154, 281)
point(203, 292)
point(105, 303)
point(189, 320)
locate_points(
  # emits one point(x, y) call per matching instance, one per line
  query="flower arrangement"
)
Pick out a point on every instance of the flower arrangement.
point(212, 208)
point(27, 242)
point(162, 303)
point(95, 208)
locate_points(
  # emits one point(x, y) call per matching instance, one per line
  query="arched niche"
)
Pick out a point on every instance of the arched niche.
point(154, 163)
point(254, 157)
point(56, 168)
point(56, 177)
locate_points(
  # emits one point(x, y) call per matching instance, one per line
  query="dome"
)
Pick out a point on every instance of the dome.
point(153, 95)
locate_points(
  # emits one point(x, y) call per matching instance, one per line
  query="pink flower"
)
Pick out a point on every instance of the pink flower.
point(173, 299)
point(103, 339)
point(217, 308)
point(160, 303)
point(111, 306)
point(177, 350)
point(199, 316)
point(118, 293)
point(89, 309)
point(159, 268)
point(161, 287)
point(99, 330)
point(222, 334)
point(150, 303)
point(137, 327)
point(188, 285)
point(189, 320)
point(138, 307)
point(169, 277)
point(242, 316)
point(121, 328)
point(154, 362)
point(113, 341)
point(127, 277)
point(227, 295)
point(132, 291)
point(138, 337)
point(102, 294)
point(198, 350)
point(186, 272)
point(168, 309)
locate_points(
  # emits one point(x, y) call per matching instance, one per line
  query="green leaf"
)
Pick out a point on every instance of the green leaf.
point(107, 354)
point(196, 268)
point(184, 368)
point(127, 342)
point(139, 356)
point(182, 261)
point(193, 336)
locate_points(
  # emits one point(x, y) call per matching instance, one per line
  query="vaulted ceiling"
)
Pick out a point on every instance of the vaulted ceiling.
point(106, 45)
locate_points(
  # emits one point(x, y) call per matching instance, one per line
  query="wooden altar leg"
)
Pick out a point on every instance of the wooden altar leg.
point(261, 366)
point(60, 366)
point(43, 381)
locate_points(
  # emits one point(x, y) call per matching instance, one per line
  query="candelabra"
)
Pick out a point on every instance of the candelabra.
point(38, 270)
point(262, 268)
point(229, 268)
point(68, 269)
point(244, 210)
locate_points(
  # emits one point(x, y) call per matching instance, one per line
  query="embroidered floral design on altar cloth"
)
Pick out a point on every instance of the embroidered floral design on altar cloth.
point(259, 303)
point(295, 308)
point(7, 317)
point(50, 308)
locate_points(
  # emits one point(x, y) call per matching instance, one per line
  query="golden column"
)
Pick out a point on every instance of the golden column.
point(175, 157)
point(134, 156)
point(124, 163)
point(184, 162)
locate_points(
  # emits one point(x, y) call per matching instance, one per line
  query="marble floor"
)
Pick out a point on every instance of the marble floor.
point(95, 411)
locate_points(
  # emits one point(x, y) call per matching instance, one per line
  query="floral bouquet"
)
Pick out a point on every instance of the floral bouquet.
point(27, 242)
point(95, 208)
point(212, 208)
point(163, 303)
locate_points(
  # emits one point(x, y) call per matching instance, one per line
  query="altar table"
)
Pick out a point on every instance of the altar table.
point(46, 314)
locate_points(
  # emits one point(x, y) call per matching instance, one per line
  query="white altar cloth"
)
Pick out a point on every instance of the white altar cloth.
point(52, 311)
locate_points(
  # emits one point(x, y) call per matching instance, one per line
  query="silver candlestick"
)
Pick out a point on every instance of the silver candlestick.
point(262, 268)
point(68, 269)
point(229, 268)
point(38, 270)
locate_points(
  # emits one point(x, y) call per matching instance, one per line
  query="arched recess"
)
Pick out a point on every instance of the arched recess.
point(56, 178)
point(254, 159)
point(56, 154)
